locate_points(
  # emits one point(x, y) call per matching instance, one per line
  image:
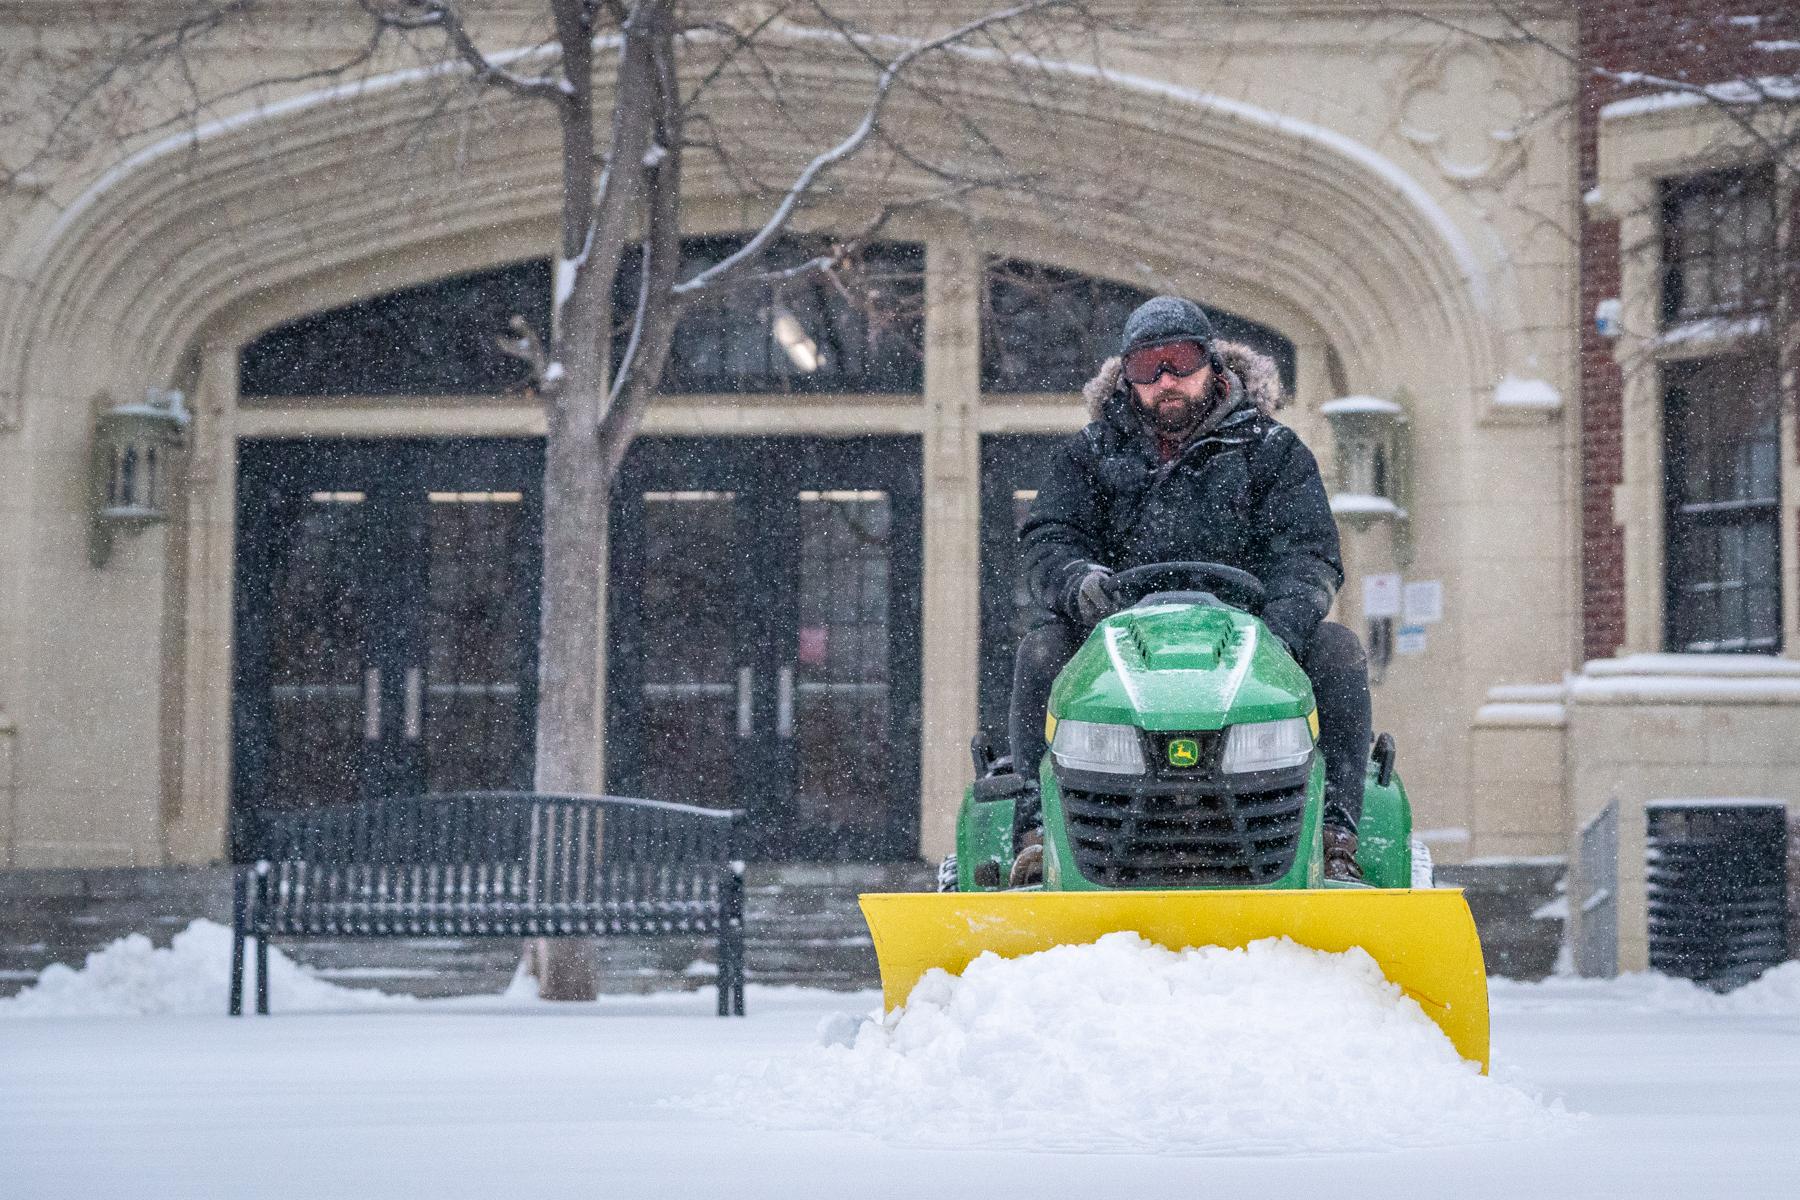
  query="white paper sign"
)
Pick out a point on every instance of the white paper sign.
point(1381, 596)
point(1410, 639)
point(1424, 602)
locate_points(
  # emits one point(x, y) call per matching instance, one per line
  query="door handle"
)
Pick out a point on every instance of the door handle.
point(414, 702)
point(372, 704)
point(746, 677)
point(784, 703)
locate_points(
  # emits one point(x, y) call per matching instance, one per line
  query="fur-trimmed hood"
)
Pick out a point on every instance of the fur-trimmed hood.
point(1254, 369)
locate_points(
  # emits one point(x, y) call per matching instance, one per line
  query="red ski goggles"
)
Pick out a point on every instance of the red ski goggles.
point(1146, 364)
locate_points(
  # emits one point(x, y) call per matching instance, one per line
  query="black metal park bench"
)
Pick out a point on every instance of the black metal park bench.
point(494, 864)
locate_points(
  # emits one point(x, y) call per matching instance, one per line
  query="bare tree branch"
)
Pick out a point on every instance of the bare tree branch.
point(740, 41)
point(824, 162)
point(412, 17)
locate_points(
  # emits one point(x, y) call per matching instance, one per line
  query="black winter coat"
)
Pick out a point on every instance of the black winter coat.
point(1248, 495)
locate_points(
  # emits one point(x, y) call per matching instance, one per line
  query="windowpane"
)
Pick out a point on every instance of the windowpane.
point(1044, 329)
point(437, 339)
point(863, 330)
point(1723, 485)
point(1718, 244)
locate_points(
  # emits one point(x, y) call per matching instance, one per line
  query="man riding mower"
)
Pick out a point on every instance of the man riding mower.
point(1208, 770)
point(1183, 461)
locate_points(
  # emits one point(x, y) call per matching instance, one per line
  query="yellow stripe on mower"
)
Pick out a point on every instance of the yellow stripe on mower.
point(1424, 941)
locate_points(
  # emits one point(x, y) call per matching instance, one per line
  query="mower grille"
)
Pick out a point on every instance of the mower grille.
point(1184, 839)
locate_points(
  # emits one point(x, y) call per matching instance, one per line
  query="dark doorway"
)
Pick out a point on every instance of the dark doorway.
point(1012, 468)
point(764, 651)
point(386, 619)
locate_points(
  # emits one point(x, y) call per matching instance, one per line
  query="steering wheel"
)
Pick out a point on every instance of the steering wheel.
point(1238, 588)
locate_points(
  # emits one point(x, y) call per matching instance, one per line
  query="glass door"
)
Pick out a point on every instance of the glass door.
point(765, 638)
point(386, 621)
point(698, 686)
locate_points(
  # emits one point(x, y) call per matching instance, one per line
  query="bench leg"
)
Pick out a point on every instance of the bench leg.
point(236, 1007)
point(737, 971)
point(240, 903)
point(262, 976)
point(731, 971)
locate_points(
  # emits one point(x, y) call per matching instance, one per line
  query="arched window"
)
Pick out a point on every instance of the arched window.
point(1044, 329)
point(859, 330)
point(437, 339)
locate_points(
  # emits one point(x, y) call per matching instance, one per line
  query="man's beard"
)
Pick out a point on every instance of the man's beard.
point(1171, 412)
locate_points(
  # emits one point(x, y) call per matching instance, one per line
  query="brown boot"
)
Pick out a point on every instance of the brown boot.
point(1340, 855)
point(1028, 867)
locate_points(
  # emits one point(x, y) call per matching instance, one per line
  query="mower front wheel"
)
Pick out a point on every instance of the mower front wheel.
point(946, 874)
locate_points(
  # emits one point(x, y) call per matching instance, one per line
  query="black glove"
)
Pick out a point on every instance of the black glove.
point(1088, 598)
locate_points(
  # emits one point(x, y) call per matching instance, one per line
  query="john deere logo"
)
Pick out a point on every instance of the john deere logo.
point(1184, 752)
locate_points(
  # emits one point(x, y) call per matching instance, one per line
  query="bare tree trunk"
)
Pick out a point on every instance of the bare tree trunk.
point(569, 675)
point(576, 488)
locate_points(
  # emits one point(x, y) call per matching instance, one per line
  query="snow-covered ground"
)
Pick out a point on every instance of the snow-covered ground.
point(121, 1079)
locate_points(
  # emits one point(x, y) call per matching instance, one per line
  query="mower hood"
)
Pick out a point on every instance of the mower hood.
point(1181, 666)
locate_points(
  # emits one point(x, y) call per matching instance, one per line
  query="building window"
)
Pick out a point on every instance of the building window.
point(1718, 246)
point(1721, 415)
point(1722, 449)
point(437, 339)
point(859, 330)
point(1044, 329)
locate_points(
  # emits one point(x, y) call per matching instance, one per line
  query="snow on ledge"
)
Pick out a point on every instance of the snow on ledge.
point(1525, 706)
point(1527, 716)
point(1356, 504)
point(1698, 665)
point(1526, 395)
point(1762, 89)
point(1717, 802)
point(1359, 404)
point(1526, 693)
point(1688, 679)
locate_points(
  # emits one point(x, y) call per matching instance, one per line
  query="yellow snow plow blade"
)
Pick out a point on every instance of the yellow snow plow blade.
point(1424, 941)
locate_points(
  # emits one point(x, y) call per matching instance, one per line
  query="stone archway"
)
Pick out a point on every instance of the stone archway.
point(138, 265)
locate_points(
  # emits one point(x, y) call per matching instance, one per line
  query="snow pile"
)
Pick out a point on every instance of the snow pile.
point(1775, 994)
point(131, 977)
point(1123, 1045)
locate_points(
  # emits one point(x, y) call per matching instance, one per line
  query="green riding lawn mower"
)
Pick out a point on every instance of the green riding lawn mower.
point(1182, 798)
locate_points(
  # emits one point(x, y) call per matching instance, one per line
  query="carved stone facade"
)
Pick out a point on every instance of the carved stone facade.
point(1398, 200)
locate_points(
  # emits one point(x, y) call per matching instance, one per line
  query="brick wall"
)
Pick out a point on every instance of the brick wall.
point(1693, 41)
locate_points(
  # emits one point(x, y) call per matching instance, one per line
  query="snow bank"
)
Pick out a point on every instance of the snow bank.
point(1274, 1049)
point(1775, 994)
point(131, 977)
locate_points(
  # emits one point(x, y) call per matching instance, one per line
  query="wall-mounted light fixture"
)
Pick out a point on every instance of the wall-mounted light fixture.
point(1374, 466)
point(132, 467)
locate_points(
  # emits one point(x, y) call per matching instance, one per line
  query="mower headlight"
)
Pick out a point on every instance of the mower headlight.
point(1090, 746)
point(1267, 745)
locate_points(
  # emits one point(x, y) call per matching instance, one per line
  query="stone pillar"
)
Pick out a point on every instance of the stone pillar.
point(6, 789)
point(197, 759)
point(952, 490)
